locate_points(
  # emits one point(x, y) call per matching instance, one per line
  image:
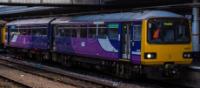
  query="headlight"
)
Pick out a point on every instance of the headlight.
point(150, 55)
point(187, 55)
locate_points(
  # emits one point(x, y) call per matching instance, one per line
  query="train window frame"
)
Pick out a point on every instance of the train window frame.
point(102, 34)
point(112, 33)
point(13, 32)
point(25, 31)
point(65, 31)
point(56, 32)
point(137, 32)
point(39, 31)
point(92, 31)
point(83, 31)
point(174, 19)
point(73, 33)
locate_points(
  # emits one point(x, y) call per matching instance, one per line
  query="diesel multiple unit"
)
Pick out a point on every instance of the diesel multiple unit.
point(120, 43)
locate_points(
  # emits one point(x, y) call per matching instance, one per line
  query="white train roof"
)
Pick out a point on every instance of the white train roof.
point(31, 21)
point(100, 18)
point(124, 16)
point(61, 20)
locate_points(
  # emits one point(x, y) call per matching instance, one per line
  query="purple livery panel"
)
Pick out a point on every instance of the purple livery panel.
point(29, 42)
point(21, 41)
point(40, 42)
point(93, 47)
point(136, 59)
point(85, 47)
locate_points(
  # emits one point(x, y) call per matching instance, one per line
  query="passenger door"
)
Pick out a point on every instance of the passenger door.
point(126, 41)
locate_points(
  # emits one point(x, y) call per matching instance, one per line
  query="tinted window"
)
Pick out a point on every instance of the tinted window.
point(66, 31)
point(74, 32)
point(83, 31)
point(137, 33)
point(102, 33)
point(39, 32)
point(92, 31)
point(168, 31)
point(113, 33)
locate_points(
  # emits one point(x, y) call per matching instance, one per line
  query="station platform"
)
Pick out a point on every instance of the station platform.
point(195, 66)
point(196, 62)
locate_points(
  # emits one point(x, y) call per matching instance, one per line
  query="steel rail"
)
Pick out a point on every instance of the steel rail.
point(81, 77)
point(15, 82)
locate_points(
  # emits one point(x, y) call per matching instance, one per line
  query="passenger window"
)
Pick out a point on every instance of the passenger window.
point(59, 32)
point(74, 32)
point(92, 31)
point(67, 32)
point(83, 32)
point(78, 33)
point(102, 33)
point(39, 32)
point(24, 31)
point(113, 33)
point(137, 33)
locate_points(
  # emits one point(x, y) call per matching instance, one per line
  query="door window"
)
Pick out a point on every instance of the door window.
point(137, 33)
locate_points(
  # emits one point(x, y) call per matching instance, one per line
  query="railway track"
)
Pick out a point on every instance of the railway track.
point(70, 78)
point(83, 80)
point(9, 83)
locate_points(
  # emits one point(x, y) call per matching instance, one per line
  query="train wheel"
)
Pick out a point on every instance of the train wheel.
point(123, 71)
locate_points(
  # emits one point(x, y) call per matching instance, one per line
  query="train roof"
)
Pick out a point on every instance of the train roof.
point(123, 16)
point(31, 21)
point(99, 18)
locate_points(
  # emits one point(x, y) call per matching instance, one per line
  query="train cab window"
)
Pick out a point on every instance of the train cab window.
point(92, 31)
point(102, 33)
point(137, 33)
point(168, 31)
point(83, 31)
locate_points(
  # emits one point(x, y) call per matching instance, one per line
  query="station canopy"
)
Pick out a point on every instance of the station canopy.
point(21, 8)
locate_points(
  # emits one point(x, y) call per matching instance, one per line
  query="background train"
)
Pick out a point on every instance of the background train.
point(120, 43)
point(2, 35)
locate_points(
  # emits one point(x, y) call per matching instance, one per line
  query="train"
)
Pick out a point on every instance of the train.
point(124, 44)
point(2, 35)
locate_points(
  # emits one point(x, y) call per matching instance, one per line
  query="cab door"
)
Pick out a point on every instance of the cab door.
point(136, 43)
